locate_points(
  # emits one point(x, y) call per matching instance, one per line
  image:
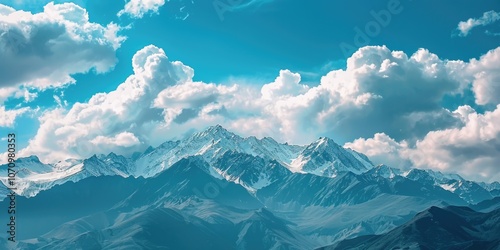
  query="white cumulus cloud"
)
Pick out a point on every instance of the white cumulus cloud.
point(124, 139)
point(472, 150)
point(286, 84)
point(121, 119)
point(138, 8)
point(43, 50)
point(382, 149)
point(380, 87)
point(386, 104)
point(486, 77)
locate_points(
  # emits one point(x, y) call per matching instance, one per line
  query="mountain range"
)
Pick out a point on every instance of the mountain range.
point(436, 228)
point(217, 190)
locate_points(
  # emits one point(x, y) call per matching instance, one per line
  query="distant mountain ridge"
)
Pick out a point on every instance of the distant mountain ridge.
point(234, 192)
point(436, 228)
point(211, 144)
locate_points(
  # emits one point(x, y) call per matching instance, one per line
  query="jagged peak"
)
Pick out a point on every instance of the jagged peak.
point(94, 157)
point(416, 172)
point(382, 167)
point(215, 133)
point(115, 158)
point(112, 155)
point(385, 171)
point(31, 158)
point(385, 167)
point(269, 139)
point(324, 142)
point(148, 150)
point(252, 138)
point(263, 213)
point(216, 129)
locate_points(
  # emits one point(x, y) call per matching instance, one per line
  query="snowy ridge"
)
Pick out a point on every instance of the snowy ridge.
point(211, 144)
point(469, 191)
point(255, 164)
point(324, 157)
point(386, 171)
point(36, 176)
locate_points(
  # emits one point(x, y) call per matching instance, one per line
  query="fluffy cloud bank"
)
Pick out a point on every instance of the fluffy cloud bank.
point(44, 49)
point(489, 17)
point(485, 74)
point(390, 98)
point(120, 120)
point(472, 150)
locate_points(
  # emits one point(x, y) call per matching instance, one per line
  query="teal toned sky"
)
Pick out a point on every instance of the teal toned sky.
point(256, 49)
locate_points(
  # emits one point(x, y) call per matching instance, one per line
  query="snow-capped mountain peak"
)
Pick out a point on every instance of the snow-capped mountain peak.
point(32, 159)
point(254, 163)
point(324, 157)
point(215, 132)
point(211, 144)
point(385, 171)
point(437, 176)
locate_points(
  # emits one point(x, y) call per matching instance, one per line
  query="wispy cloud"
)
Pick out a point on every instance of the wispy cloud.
point(251, 3)
point(8, 117)
point(488, 17)
point(492, 33)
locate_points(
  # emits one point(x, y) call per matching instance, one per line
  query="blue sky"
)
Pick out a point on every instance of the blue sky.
point(248, 45)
